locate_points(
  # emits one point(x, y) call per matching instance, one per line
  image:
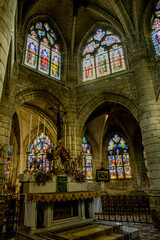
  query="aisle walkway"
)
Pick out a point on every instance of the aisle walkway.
point(147, 231)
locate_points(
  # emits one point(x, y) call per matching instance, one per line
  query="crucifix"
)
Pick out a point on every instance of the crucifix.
point(60, 114)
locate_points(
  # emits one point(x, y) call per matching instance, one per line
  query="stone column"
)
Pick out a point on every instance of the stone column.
point(7, 13)
point(83, 209)
point(6, 113)
point(150, 127)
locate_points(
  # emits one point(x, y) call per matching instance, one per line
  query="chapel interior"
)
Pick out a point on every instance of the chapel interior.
point(79, 111)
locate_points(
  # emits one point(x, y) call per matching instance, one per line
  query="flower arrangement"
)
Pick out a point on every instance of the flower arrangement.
point(78, 176)
point(42, 177)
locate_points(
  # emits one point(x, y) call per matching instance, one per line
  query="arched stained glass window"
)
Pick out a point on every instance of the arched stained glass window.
point(155, 22)
point(38, 150)
point(87, 159)
point(118, 156)
point(7, 167)
point(42, 50)
point(102, 55)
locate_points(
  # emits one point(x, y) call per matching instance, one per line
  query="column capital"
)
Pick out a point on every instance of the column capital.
point(137, 55)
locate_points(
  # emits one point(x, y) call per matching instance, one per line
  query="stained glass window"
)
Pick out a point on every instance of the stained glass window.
point(38, 151)
point(155, 23)
point(7, 167)
point(87, 159)
point(118, 157)
point(102, 55)
point(42, 50)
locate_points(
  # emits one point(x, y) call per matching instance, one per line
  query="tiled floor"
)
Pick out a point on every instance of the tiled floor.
point(147, 231)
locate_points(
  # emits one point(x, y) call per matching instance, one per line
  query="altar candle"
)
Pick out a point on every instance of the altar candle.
point(75, 142)
point(44, 126)
point(70, 137)
point(65, 136)
point(30, 133)
point(38, 127)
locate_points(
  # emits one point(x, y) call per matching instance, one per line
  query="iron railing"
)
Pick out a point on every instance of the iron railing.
point(12, 213)
point(125, 208)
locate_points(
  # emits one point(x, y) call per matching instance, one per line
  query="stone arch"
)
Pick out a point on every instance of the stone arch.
point(101, 98)
point(25, 96)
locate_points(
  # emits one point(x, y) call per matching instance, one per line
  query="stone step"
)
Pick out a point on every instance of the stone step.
point(89, 233)
point(112, 237)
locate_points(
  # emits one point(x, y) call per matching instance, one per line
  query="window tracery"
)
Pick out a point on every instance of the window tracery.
point(102, 55)
point(38, 153)
point(42, 50)
point(118, 157)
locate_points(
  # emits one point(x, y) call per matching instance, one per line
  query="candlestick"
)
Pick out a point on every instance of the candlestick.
point(70, 137)
point(38, 127)
point(44, 126)
point(30, 133)
point(75, 142)
point(65, 136)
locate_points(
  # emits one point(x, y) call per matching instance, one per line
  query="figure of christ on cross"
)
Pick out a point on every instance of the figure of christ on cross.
point(60, 114)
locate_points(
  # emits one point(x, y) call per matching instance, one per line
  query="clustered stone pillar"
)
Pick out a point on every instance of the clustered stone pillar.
point(150, 128)
point(7, 13)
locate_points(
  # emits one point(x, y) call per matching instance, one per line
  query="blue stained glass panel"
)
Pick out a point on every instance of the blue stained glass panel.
point(50, 39)
point(52, 34)
point(127, 170)
point(156, 40)
point(41, 33)
point(39, 146)
point(47, 26)
point(110, 40)
point(118, 157)
point(157, 14)
point(116, 138)
point(56, 65)
point(117, 59)
point(120, 172)
point(88, 68)
point(31, 52)
point(90, 47)
point(102, 63)
point(39, 25)
point(113, 173)
point(99, 35)
point(44, 59)
point(111, 161)
point(158, 5)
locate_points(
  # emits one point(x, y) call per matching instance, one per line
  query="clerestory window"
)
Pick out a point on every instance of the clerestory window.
point(42, 50)
point(155, 23)
point(102, 55)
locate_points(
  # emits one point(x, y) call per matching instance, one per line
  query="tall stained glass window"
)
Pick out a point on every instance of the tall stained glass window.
point(42, 50)
point(39, 148)
point(155, 22)
point(102, 55)
point(87, 159)
point(118, 157)
point(7, 167)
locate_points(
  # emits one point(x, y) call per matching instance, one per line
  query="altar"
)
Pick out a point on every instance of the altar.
point(56, 192)
point(47, 209)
